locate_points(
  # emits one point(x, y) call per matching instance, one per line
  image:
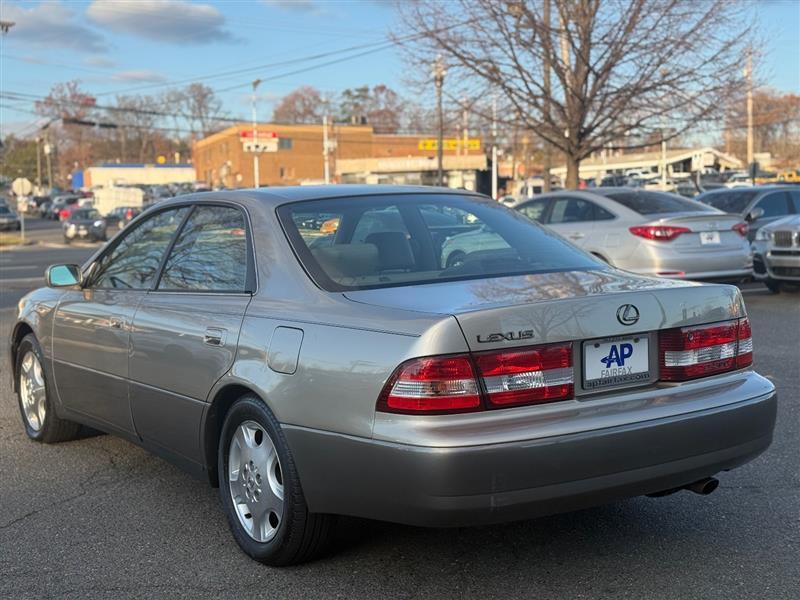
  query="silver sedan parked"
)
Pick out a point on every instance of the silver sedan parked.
point(648, 232)
point(306, 350)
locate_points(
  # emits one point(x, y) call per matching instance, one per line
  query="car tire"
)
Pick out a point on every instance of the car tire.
point(773, 286)
point(35, 401)
point(455, 259)
point(251, 431)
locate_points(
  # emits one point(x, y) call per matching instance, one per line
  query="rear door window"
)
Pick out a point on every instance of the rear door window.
point(795, 194)
point(775, 204)
point(210, 254)
point(534, 210)
point(571, 210)
point(653, 203)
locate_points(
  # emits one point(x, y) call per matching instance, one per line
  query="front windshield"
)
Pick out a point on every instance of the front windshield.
point(385, 241)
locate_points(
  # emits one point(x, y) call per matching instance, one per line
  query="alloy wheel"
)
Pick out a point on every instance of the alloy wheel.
point(32, 391)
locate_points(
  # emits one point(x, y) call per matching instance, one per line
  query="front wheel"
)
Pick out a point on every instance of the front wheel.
point(35, 404)
point(260, 489)
point(772, 285)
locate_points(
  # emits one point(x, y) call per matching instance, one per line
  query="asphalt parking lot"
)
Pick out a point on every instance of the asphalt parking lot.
point(99, 517)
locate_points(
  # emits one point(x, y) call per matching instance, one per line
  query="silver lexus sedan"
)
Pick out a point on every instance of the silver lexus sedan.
point(307, 351)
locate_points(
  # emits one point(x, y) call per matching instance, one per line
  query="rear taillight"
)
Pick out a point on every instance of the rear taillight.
point(439, 384)
point(450, 384)
point(744, 354)
point(662, 233)
point(527, 376)
point(741, 229)
point(691, 352)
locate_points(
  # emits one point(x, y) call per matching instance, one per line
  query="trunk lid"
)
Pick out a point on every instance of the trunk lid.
point(562, 306)
point(710, 232)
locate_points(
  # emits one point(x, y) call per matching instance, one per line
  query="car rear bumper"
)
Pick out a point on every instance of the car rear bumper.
point(663, 261)
point(470, 485)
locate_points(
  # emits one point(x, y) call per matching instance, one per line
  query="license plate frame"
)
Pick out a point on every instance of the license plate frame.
point(593, 350)
point(710, 238)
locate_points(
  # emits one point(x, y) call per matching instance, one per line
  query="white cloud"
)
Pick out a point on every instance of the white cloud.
point(139, 76)
point(172, 21)
point(51, 25)
point(309, 7)
point(99, 61)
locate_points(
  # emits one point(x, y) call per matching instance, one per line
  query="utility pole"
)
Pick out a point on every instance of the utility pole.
point(466, 128)
point(748, 72)
point(494, 146)
point(439, 72)
point(325, 148)
point(48, 149)
point(548, 151)
point(38, 164)
point(256, 182)
point(663, 157)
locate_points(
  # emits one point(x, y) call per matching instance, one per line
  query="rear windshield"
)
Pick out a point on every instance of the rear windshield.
point(384, 241)
point(654, 203)
point(85, 213)
point(729, 202)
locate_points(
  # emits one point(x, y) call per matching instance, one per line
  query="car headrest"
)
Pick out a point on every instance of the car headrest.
point(348, 260)
point(394, 250)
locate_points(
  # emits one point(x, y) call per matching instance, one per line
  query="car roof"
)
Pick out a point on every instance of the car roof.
point(276, 196)
point(752, 188)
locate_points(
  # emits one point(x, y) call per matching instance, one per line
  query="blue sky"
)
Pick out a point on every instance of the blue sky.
point(143, 46)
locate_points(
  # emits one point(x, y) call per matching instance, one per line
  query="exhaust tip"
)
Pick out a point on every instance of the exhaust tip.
point(704, 486)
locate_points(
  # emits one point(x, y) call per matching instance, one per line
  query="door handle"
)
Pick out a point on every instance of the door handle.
point(576, 235)
point(116, 322)
point(215, 336)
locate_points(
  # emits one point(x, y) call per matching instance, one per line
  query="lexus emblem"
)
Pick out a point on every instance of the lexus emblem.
point(627, 314)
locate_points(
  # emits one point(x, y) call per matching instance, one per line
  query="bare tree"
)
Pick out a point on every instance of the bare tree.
point(619, 67)
point(136, 124)
point(303, 105)
point(776, 125)
point(199, 106)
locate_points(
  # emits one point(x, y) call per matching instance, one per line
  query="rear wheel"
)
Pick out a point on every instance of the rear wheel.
point(260, 489)
point(773, 286)
point(35, 404)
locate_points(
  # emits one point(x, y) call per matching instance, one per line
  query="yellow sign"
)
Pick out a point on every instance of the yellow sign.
point(161, 159)
point(449, 144)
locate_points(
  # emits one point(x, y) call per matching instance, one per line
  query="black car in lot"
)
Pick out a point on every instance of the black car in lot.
point(759, 205)
point(121, 216)
point(84, 224)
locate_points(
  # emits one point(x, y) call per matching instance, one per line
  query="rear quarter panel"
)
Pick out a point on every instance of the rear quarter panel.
point(341, 370)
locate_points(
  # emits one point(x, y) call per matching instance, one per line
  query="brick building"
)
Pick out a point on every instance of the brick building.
point(221, 160)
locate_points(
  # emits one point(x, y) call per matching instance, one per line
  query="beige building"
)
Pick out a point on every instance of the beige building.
point(680, 161)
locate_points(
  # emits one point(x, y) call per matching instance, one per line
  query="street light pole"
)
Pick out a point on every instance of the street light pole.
point(327, 168)
point(663, 157)
point(256, 182)
point(750, 150)
point(439, 72)
point(494, 146)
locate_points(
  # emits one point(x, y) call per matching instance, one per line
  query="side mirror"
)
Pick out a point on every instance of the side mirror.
point(58, 276)
point(755, 214)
